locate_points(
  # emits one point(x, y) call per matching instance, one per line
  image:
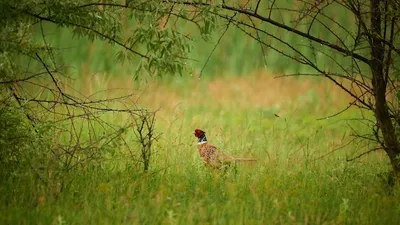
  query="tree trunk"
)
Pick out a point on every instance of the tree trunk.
point(391, 144)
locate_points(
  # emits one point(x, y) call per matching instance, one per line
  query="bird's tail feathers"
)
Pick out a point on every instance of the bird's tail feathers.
point(244, 159)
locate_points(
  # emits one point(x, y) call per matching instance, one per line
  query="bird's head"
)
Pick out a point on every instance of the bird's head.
point(198, 133)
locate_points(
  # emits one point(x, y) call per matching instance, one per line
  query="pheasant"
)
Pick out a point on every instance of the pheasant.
point(213, 156)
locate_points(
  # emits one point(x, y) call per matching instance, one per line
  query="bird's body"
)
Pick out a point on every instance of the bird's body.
point(213, 156)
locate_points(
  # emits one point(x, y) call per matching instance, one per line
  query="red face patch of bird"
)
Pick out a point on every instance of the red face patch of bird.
point(201, 135)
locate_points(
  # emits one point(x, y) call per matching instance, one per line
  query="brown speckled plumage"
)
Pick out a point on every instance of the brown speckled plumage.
point(213, 156)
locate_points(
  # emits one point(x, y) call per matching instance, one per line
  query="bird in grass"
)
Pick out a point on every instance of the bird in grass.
point(213, 156)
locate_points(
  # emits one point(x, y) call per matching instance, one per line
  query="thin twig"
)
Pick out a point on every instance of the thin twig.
point(338, 113)
point(216, 45)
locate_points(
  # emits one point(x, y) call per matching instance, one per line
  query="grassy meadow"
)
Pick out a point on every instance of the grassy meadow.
point(301, 176)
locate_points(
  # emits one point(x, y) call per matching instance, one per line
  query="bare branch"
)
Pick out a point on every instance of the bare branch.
point(363, 154)
point(338, 113)
point(258, 4)
point(282, 26)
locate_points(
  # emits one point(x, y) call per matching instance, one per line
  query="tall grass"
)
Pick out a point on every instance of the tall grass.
point(301, 176)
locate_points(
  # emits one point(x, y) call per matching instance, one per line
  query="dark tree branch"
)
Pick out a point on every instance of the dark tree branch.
point(270, 11)
point(282, 26)
point(258, 4)
point(363, 154)
point(305, 60)
point(338, 113)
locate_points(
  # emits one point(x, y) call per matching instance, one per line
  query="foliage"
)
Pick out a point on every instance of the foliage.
point(46, 124)
point(15, 138)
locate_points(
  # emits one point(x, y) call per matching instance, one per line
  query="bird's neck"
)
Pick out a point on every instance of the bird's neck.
point(202, 140)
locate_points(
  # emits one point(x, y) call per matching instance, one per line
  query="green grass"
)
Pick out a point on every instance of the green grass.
point(290, 183)
point(193, 195)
